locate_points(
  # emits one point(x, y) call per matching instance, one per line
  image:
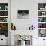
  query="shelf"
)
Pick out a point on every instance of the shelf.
point(3, 16)
point(41, 28)
point(4, 19)
point(42, 16)
point(41, 22)
point(3, 10)
point(41, 10)
point(3, 22)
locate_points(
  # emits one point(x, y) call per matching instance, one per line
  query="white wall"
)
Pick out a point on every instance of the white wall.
point(24, 5)
point(21, 24)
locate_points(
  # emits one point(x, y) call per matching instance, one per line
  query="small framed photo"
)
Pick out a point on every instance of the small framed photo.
point(22, 14)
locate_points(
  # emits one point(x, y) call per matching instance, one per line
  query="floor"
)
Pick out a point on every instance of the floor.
point(3, 45)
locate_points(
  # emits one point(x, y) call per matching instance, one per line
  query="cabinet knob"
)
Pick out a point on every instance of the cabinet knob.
point(1, 39)
point(43, 39)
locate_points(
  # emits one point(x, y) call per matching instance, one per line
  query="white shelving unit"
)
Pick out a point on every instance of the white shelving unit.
point(42, 17)
point(6, 22)
point(3, 38)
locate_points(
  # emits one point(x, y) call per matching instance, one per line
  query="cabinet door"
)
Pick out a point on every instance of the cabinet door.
point(3, 40)
point(41, 41)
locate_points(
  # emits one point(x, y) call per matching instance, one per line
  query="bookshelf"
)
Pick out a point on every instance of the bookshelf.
point(4, 19)
point(42, 19)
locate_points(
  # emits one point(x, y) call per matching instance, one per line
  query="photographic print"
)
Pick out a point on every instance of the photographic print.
point(22, 14)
